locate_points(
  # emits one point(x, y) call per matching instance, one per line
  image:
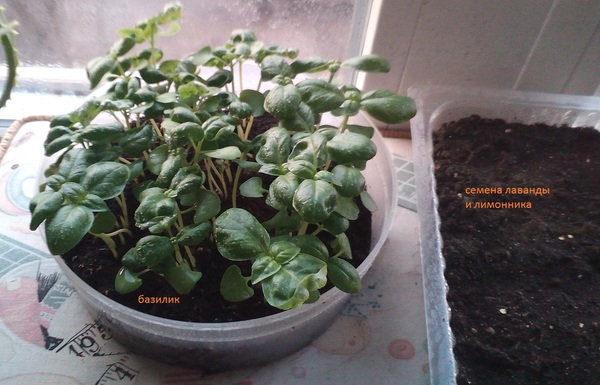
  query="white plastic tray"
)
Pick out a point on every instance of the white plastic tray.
point(437, 105)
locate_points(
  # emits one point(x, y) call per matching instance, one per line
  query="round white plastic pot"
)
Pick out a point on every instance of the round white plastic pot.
point(221, 346)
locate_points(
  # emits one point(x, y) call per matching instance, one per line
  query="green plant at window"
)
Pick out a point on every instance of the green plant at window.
point(180, 137)
point(7, 36)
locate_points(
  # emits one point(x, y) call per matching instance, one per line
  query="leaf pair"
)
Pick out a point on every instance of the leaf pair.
point(69, 211)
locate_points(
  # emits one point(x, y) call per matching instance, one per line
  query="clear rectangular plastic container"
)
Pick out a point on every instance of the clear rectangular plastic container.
point(437, 105)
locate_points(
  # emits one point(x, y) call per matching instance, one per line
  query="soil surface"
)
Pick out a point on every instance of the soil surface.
point(524, 281)
point(92, 261)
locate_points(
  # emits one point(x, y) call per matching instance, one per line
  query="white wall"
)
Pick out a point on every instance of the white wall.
point(535, 45)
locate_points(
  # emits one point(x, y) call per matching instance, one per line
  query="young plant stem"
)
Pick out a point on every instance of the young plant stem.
point(212, 184)
point(240, 61)
point(122, 202)
point(236, 182)
point(249, 127)
point(190, 256)
point(156, 128)
point(233, 78)
point(343, 124)
point(220, 177)
point(112, 246)
point(303, 228)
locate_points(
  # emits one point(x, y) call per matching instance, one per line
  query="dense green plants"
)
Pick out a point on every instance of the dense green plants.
point(179, 135)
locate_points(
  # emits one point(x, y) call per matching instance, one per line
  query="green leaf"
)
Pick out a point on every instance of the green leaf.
point(192, 235)
point(309, 65)
point(388, 107)
point(152, 75)
point(208, 205)
point(274, 65)
point(192, 89)
point(283, 251)
point(303, 120)
point(43, 206)
point(55, 181)
point(152, 251)
point(65, 229)
point(343, 275)
point(122, 46)
point(255, 99)
point(252, 188)
point(157, 157)
point(184, 114)
point(135, 141)
point(276, 146)
point(282, 101)
point(352, 180)
point(341, 245)
point(94, 203)
point(264, 267)
point(282, 190)
point(367, 131)
point(240, 110)
point(312, 148)
point(73, 192)
point(311, 245)
point(104, 222)
point(283, 223)
point(97, 68)
point(187, 184)
point(169, 168)
point(219, 79)
point(240, 236)
point(234, 286)
point(368, 63)
point(347, 208)
point(227, 153)
point(290, 287)
point(349, 147)
point(186, 131)
point(368, 201)
point(273, 169)
point(75, 162)
point(203, 56)
point(182, 279)
point(126, 281)
point(315, 200)
point(58, 138)
point(156, 211)
point(319, 95)
point(302, 168)
point(86, 112)
point(105, 179)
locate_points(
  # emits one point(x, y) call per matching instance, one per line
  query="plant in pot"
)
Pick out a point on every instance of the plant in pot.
point(178, 159)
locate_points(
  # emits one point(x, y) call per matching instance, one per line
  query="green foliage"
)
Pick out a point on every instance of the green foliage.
point(177, 135)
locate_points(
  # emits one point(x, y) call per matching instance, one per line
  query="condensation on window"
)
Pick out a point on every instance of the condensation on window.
point(67, 33)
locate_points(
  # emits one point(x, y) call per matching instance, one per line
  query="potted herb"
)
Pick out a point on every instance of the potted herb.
point(169, 163)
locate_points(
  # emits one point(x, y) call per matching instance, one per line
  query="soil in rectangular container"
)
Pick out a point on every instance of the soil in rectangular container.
point(523, 265)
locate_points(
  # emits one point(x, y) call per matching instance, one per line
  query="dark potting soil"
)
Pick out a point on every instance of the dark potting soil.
point(523, 270)
point(92, 261)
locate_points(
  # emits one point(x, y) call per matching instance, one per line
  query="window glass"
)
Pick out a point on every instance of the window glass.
point(65, 34)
